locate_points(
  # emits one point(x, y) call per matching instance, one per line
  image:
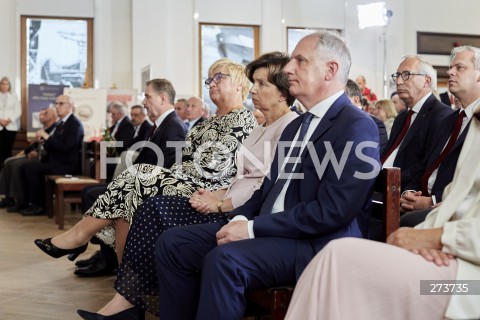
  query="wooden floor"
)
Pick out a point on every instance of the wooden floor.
point(34, 286)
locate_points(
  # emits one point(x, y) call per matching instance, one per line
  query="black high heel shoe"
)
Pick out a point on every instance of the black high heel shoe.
point(128, 314)
point(49, 248)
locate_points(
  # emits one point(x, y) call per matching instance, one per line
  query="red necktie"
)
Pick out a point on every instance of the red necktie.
point(400, 137)
point(444, 153)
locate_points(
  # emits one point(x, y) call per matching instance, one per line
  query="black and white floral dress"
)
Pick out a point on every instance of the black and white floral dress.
point(208, 161)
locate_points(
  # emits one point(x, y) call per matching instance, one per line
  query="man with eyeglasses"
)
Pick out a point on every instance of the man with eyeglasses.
point(63, 155)
point(413, 130)
point(438, 168)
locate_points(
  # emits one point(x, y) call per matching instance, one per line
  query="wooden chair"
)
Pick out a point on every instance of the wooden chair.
point(273, 303)
point(67, 188)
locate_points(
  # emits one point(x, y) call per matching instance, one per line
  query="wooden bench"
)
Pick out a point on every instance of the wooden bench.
point(68, 189)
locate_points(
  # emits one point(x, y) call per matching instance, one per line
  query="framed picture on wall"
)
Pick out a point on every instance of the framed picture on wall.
point(294, 34)
point(55, 51)
point(145, 73)
point(239, 43)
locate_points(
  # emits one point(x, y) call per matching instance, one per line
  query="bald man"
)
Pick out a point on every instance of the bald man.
point(63, 155)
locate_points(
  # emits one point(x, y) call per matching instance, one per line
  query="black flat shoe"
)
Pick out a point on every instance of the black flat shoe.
point(128, 314)
point(49, 248)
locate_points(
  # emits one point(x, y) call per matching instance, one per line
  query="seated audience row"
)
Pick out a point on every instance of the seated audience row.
point(10, 180)
point(202, 266)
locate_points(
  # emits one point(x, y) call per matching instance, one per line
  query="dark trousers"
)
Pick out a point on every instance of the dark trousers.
point(33, 173)
point(186, 255)
point(90, 194)
point(411, 219)
point(7, 138)
point(11, 181)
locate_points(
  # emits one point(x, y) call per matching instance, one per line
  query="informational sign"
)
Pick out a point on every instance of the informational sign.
point(128, 96)
point(40, 96)
point(90, 106)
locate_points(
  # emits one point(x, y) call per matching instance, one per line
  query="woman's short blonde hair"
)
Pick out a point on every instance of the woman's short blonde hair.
point(236, 72)
point(9, 83)
point(388, 106)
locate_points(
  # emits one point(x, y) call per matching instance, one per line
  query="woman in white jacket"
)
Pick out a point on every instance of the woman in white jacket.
point(10, 112)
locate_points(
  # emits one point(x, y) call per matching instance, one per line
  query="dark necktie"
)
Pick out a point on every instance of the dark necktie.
point(444, 153)
point(400, 137)
point(59, 128)
point(278, 186)
point(154, 128)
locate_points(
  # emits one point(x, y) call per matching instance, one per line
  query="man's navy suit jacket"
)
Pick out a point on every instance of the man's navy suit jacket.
point(143, 133)
point(382, 131)
point(171, 129)
point(447, 167)
point(124, 133)
point(445, 98)
point(64, 147)
point(419, 139)
point(320, 209)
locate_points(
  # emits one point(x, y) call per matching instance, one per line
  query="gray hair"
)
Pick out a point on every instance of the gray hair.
point(331, 46)
point(425, 67)
point(203, 106)
point(474, 50)
point(163, 86)
point(119, 106)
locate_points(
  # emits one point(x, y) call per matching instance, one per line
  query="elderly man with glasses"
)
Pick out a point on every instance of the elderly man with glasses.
point(63, 148)
point(413, 130)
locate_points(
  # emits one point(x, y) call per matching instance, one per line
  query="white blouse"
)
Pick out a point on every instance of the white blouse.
point(10, 109)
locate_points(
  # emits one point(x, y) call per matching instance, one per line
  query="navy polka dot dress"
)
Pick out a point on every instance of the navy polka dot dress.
point(137, 274)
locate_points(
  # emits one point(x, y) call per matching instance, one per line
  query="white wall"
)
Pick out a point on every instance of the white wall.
point(273, 17)
point(8, 63)
point(130, 34)
point(172, 49)
point(113, 44)
point(459, 16)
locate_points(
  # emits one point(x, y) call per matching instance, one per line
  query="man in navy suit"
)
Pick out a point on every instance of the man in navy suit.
point(122, 128)
point(168, 127)
point(438, 168)
point(63, 155)
point(141, 125)
point(413, 130)
point(272, 237)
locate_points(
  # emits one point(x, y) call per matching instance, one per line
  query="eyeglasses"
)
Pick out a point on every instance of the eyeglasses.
point(61, 103)
point(217, 77)
point(406, 75)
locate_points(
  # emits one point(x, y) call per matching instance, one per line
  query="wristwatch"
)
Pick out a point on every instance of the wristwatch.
point(219, 206)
